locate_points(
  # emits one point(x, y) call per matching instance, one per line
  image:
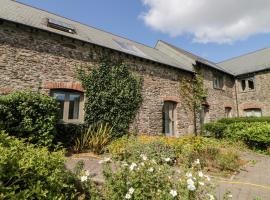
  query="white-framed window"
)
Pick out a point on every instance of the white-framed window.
point(228, 112)
point(71, 105)
point(247, 84)
point(253, 112)
point(169, 118)
point(218, 81)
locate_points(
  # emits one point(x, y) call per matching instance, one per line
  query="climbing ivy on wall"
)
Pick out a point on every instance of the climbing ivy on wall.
point(193, 93)
point(113, 95)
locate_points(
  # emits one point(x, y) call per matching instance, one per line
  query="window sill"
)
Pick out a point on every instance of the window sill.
point(221, 89)
point(247, 91)
point(76, 122)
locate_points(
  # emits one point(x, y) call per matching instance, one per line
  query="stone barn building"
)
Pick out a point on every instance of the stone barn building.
point(42, 51)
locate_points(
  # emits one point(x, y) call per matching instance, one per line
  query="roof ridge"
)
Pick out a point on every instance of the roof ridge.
point(84, 24)
point(242, 55)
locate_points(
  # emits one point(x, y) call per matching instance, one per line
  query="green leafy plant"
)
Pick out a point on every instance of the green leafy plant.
point(113, 95)
point(214, 129)
point(29, 115)
point(95, 138)
point(30, 172)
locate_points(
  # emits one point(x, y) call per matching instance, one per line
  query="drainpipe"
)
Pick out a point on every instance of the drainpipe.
point(236, 97)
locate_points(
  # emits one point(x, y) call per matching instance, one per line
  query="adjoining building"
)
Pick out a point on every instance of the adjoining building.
point(42, 51)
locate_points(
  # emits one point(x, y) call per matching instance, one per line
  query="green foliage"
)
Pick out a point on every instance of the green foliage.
point(215, 129)
point(113, 96)
point(226, 161)
point(255, 132)
point(30, 172)
point(95, 138)
point(144, 178)
point(181, 151)
point(244, 119)
point(29, 115)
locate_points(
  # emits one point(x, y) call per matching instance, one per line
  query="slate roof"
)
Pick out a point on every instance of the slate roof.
point(23, 14)
point(248, 63)
point(192, 57)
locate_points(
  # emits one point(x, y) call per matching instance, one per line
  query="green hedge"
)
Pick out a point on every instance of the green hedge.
point(255, 132)
point(29, 115)
point(244, 119)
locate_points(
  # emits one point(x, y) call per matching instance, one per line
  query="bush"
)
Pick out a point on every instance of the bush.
point(29, 115)
point(181, 151)
point(244, 119)
point(30, 172)
point(113, 96)
point(147, 179)
point(215, 129)
point(95, 138)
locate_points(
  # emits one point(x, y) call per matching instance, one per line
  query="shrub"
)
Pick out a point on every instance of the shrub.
point(113, 96)
point(29, 115)
point(30, 172)
point(244, 119)
point(95, 138)
point(215, 129)
point(226, 161)
point(146, 179)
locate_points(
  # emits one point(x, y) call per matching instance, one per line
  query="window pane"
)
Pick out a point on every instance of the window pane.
point(74, 106)
point(169, 118)
point(60, 98)
point(243, 85)
point(251, 84)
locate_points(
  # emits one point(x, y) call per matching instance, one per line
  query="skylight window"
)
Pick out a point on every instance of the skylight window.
point(62, 26)
point(129, 47)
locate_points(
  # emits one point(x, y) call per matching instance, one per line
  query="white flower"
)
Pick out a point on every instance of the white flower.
point(151, 169)
point(83, 178)
point(201, 183)
point(200, 174)
point(128, 196)
point(197, 162)
point(142, 164)
point(190, 181)
point(144, 157)
point(173, 193)
point(124, 164)
point(191, 187)
point(167, 159)
point(105, 160)
point(132, 166)
point(189, 174)
point(211, 197)
point(131, 190)
point(153, 161)
point(207, 178)
point(87, 173)
point(230, 195)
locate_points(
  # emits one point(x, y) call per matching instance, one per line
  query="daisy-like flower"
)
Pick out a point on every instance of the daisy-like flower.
point(189, 174)
point(142, 164)
point(211, 197)
point(173, 193)
point(201, 183)
point(144, 157)
point(197, 162)
point(132, 166)
point(190, 181)
point(200, 174)
point(230, 195)
point(131, 190)
point(87, 173)
point(167, 159)
point(83, 178)
point(208, 178)
point(151, 169)
point(191, 187)
point(128, 196)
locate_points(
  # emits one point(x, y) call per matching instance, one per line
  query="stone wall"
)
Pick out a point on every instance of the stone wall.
point(257, 98)
point(218, 99)
point(41, 61)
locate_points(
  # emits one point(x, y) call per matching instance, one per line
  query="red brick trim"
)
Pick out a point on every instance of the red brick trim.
point(6, 90)
point(228, 105)
point(171, 98)
point(64, 85)
point(249, 105)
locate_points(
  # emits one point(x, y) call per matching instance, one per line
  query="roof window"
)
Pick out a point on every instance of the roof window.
point(129, 47)
point(62, 26)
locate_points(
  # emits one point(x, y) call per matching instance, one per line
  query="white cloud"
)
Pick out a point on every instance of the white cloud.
point(218, 21)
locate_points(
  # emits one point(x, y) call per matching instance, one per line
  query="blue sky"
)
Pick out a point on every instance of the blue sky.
point(122, 17)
